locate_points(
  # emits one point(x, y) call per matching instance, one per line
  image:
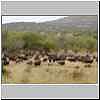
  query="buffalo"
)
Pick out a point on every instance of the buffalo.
point(87, 58)
point(72, 58)
point(29, 62)
point(5, 60)
point(61, 62)
point(37, 62)
point(52, 57)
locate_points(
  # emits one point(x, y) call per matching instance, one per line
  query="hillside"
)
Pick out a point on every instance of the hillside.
point(60, 25)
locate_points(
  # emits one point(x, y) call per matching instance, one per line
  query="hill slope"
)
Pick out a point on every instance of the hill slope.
point(60, 25)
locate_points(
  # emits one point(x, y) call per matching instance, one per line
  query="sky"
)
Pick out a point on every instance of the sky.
point(10, 19)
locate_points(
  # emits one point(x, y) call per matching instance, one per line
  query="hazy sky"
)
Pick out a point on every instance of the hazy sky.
point(9, 19)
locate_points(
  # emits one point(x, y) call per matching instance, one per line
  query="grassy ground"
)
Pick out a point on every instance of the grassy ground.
point(71, 72)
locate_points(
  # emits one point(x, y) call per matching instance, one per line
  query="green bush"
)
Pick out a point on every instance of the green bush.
point(77, 41)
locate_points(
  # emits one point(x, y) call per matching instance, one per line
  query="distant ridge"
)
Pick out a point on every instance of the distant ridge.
point(59, 25)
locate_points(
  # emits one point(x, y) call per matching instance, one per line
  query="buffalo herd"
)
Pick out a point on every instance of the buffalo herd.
point(38, 57)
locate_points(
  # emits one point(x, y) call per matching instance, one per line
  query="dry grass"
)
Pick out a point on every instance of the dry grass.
point(77, 72)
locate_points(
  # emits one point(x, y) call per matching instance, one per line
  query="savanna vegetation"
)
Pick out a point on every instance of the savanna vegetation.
point(76, 41)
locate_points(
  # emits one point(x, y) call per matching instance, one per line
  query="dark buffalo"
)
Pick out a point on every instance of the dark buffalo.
point(22, 56)
point(61, 57)
point(36, 57)
point(72, 58)
point(52, 57)
point(37, 62)
point(61, 62)
point(12, 57)
point(45, 59)
point(30, 62)
point(18, 60)
point(87, 59)
point(5, 60)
